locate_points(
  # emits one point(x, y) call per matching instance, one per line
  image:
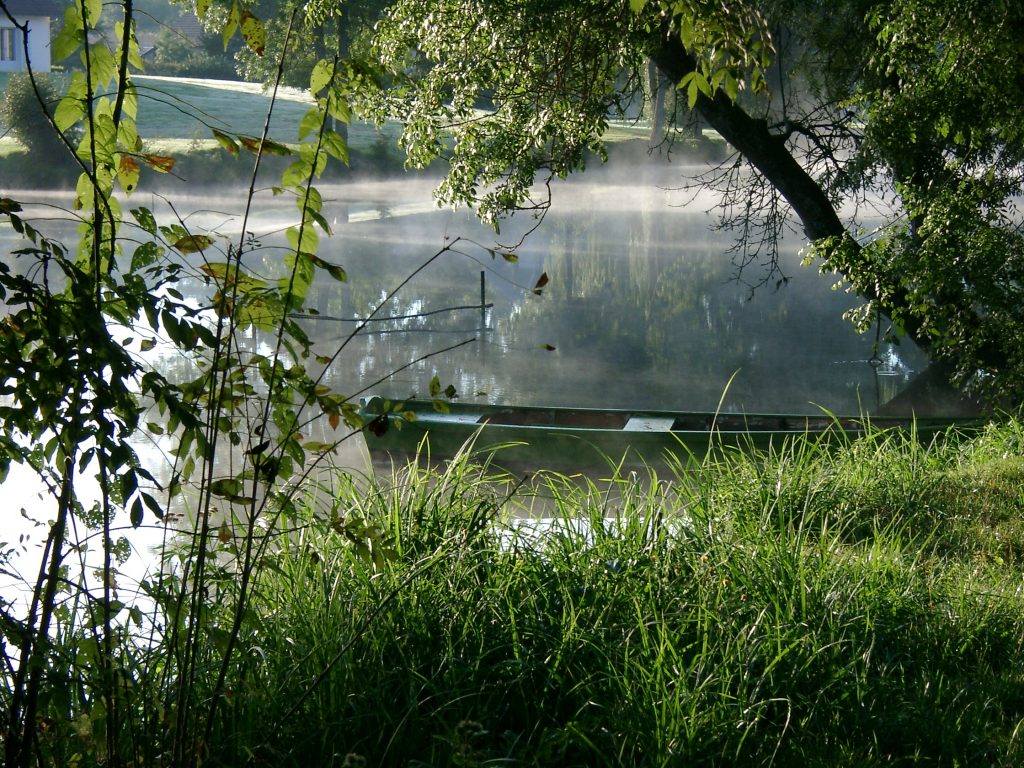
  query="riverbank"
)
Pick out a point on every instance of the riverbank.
point(816, 607)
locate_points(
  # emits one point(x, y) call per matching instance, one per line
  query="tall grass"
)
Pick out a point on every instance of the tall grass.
point(816, 606)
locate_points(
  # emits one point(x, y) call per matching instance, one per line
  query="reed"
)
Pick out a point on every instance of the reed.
point(815, 606)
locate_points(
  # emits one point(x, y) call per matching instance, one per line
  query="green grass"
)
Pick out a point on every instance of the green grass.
point(179, 115)
point(185, 111)
point(818, 607)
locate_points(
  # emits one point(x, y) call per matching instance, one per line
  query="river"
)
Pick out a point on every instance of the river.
point(623, 297)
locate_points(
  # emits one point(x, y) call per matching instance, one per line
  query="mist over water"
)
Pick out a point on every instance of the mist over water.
point(642, 308)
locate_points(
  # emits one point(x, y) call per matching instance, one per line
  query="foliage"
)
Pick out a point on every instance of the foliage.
point(260, 637)
point(509, 91)
point(942, 117)
point(20, 110)
point(77, 382)
point(867, 103)
point(812, 606)
point(177, 56)
point(315, 30)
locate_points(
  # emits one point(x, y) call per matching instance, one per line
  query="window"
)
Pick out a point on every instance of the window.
point(8, 47)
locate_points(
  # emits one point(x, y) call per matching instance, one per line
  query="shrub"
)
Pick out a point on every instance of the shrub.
point(23, 113)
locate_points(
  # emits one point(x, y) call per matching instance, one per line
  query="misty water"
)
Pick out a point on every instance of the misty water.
point(642, 308)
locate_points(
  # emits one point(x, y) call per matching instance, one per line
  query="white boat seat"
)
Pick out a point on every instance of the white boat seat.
point(649, 424)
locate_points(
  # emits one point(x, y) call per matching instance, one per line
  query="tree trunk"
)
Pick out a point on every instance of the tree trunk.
point(656, 81)
point(769, 154)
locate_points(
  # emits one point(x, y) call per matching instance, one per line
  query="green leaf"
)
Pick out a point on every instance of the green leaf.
point(102, 64)
point(226, 487)
point(335, 271)
point(70, 37)
point(230, 25)
point(153, 504)
point(296, 174)
point(68, 112)
point(193, 243)
point(145, 219)
point(435, 386)
point(258, 449)
point(135, 515)
point(304, 242)
point(128, 135)
point(93, 10)
point(321, 76)
point(338, 108)
point(336, 147)
point(309, 199)
point(311, 123)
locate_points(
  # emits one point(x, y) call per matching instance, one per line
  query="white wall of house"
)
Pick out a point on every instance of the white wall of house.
point(12, 50)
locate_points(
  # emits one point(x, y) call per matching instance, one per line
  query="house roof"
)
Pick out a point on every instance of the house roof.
point(34, 8)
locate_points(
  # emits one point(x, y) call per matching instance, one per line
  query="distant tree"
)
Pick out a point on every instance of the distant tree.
point(315, 31)
point(155, 14)
point(24, 116)
point(179, 56)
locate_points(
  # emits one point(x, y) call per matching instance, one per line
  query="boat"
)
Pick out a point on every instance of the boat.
point(554, 437)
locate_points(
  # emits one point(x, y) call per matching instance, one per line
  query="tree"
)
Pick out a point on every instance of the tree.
point(914, 105)
point(76, 386)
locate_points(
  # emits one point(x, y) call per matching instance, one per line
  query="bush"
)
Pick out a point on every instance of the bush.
point(177, 56)
point(23, 113)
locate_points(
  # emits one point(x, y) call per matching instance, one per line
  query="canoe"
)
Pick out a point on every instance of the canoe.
point(550, 437)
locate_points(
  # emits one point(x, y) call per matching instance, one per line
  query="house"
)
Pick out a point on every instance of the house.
point(38, 14)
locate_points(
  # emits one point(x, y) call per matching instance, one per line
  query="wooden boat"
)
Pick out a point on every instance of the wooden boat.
point(581, 437)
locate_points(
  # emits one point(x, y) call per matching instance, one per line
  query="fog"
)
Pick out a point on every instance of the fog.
point(642, 308)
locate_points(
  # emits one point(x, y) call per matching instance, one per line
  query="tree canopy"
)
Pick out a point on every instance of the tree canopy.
point(891, 131)
point(906, 113)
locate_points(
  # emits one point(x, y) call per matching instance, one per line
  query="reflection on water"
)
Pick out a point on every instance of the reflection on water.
point(641, 308)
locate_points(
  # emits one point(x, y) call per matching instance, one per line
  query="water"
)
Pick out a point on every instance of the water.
point(641, 309)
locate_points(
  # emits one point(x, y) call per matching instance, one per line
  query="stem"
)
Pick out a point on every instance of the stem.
point(19, 746)
point(243, 586)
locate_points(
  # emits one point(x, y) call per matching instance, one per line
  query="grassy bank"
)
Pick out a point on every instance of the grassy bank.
point(816, 607)
point(176, 116)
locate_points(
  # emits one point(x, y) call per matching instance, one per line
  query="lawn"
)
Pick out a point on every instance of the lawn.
point(178, 114)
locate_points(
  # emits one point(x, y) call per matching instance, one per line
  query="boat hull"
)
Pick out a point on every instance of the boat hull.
point(580, 437)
